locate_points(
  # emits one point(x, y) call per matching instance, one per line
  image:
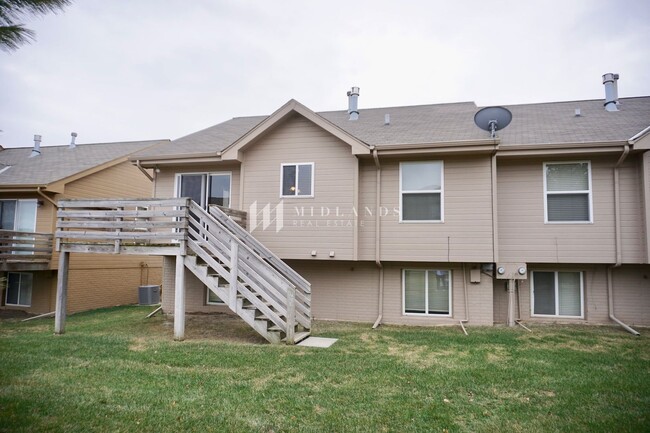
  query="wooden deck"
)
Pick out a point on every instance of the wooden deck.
point(25, 251)
point(270, 296)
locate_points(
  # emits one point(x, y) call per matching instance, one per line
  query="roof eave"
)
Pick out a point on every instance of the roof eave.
point(567, 149)
point(151, 161)
point(232, 152)
point(448, 147)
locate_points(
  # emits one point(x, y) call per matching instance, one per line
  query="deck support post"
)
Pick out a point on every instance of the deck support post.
point(61, 293)
point(179, 299)
point(291, 314)
point(511, 302)
point(234, 274)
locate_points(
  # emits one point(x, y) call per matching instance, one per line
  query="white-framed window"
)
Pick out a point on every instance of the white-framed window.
point(421, 191)
point(567, 192)
point(557, 294)
point(205, 188)
point(211, 298)
point(297, 179)
point(18, 215)
point(19, 289)
point(426, 292)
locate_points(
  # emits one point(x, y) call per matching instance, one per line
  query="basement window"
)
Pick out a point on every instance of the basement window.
point(211, 298)
point(557, 294)
point(19, 289)
point(421, 191)
point(297, 180)
point(426, 292)
point(567, 191)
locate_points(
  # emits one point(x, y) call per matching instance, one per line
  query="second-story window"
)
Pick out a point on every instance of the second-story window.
point(567, 190)
point(421, 191)
point(297, 180)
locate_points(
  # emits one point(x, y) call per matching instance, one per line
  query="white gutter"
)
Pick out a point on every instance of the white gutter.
point(619, 252)
point(634, 138)
point(610, 302)
point(380, 305)
point(38, 190)
point(145, 172)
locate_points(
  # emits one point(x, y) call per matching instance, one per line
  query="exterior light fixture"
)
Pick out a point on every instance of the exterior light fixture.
point(501, 270)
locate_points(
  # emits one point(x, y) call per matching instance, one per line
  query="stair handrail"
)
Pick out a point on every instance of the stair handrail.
point(251, 242)
point(195, 208)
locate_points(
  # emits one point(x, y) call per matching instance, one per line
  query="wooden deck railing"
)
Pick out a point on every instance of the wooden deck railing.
point(25, 248)
point(141, 226)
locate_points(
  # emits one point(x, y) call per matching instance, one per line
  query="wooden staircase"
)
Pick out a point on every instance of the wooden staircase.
point(254, 283)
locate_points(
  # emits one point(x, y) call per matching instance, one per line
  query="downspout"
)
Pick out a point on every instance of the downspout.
point(619, 252)
point(40, 192)
point(495, 221)
point(466, 319)
point(137, 164)
point(380, 267)
point(519, 320)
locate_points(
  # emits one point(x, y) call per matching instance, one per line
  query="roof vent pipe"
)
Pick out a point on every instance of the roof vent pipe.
point(386, 119)
point(611, 91)
point(353, 100)
point(73, 137)
point(37, 146)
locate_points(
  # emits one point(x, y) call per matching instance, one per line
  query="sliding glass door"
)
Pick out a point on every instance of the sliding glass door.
point(205, 188)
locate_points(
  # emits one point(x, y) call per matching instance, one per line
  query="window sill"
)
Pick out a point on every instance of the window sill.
point(421, 221)
point(425, 315)
point(558, 317)
point(568, 222)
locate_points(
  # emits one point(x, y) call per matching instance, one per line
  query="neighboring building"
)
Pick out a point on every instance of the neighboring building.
point(30, 187)
point(413, 215)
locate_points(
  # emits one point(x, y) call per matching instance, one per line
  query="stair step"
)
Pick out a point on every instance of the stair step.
point(299, 336)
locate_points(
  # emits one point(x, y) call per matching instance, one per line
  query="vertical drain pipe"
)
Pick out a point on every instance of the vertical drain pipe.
point(380, 267)
point(619, 252)
point(466, 319)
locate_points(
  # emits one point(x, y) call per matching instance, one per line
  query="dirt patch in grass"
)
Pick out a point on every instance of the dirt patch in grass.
point(14, 315)
point(216, 327)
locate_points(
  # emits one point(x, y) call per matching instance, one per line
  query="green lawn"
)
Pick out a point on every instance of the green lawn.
point(116, 371)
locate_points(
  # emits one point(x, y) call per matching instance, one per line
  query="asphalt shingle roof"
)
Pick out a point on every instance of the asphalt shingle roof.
point(546, 123)
point(58, 162)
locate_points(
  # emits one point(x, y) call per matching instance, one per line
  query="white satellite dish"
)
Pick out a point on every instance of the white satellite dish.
point(492, 119)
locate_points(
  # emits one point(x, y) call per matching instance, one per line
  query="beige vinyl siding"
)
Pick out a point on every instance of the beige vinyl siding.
point(345, 291)
point(367, 208)
point(632, 222)
point(45, 217)
point(632, 294)
point(195, 291)
point(645, 196)
point(309, 223)
point(523, 235)
point(119, 181)
point(165, 180)
point(466, 233)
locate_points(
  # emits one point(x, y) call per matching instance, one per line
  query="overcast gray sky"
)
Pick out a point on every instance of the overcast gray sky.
point(129, 70)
